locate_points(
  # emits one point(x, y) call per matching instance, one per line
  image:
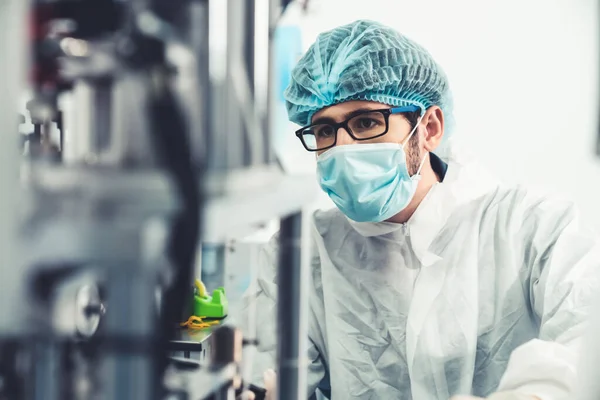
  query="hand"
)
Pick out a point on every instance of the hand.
point(270, 383)
point(499, 396)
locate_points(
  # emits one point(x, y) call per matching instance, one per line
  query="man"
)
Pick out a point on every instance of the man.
point(429, 280)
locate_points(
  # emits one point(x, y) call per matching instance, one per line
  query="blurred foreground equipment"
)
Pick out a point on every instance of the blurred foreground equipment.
point(147, 143)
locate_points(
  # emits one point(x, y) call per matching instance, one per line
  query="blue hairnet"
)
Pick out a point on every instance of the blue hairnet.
point(365, 60)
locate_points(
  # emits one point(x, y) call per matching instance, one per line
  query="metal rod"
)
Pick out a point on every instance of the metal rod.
point(13, 28)
point(217, 137)
point(237, 152)
point(129, 373)
point(291, 308)
point(61, 133)
point(101, 120)
point(47, 370)
point(249, 50)
point(598, 115)
point(199, 31)
point(249, 59)
point(274, 13)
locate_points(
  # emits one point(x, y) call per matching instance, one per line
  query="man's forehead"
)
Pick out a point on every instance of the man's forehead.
point(348, 107)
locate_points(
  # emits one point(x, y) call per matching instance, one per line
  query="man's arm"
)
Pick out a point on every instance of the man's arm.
point(564, 260)
point(260, 308)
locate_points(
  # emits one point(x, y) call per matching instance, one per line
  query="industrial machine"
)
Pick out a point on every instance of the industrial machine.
point(148, 144)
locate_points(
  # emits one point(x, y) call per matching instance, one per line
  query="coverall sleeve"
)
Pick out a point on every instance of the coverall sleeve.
point(563, 264)
point(262, 296)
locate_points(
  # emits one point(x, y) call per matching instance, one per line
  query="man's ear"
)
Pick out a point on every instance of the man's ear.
point(433, 121)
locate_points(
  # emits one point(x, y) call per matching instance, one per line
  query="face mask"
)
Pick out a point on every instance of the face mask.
point(368, 182)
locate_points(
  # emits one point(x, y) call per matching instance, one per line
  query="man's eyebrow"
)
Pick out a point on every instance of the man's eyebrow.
point(349, 114)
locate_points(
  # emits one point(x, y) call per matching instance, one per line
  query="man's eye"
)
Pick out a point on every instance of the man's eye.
point(325, 131)
point(367, 123)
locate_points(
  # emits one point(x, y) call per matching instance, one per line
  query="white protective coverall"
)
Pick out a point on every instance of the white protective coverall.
point(486, 288)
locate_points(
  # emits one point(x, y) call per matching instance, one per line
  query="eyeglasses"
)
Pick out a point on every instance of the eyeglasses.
point(364, 125)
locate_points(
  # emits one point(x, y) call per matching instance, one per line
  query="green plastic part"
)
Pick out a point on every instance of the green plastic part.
point(215, 306)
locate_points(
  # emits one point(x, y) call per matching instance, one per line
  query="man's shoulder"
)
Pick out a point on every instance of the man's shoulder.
point(327, 214)
point(474, 185)
point(324, 219)
point(528, 199)
point(519, 207)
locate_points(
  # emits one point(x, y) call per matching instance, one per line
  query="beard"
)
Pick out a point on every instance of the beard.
point(413, 155)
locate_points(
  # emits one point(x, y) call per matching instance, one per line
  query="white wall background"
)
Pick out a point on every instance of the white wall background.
point(524, 75)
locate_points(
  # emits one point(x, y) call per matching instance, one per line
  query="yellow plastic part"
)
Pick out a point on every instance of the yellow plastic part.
point(195, 322)
point(201, 288)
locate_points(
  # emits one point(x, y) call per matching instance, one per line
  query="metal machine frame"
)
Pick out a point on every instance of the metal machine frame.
point(148, 167)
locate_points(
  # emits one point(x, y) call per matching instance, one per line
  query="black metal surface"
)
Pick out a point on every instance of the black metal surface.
point(223, 347)
point(92, 18)
point(12, 378)
point(184, 364)
point(171, 140)
point(89, 19)
point(170, 10)
point(185, 346)
point(289, 305)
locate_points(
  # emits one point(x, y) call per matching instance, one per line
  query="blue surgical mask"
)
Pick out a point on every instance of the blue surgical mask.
point(368, 182)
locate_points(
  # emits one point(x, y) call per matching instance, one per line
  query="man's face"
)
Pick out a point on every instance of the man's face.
point(398, 130)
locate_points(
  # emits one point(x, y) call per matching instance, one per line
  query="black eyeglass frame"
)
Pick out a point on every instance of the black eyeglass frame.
point(344, 124)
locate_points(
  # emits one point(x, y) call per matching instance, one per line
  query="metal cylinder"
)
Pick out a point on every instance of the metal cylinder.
point(89, 125)
point(291, 309)
point(12, 68)
point(198, 36)
point(76, 308)
point(274, 13)
point(48, 376)
point(233, 134)
point(249, 59)
point(129, 362)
